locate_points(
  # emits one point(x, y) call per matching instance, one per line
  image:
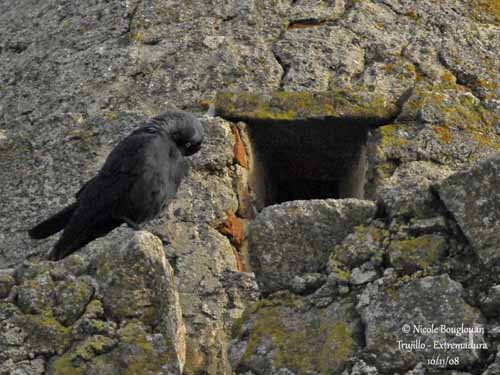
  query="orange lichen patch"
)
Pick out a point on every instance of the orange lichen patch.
point(486, 11)
point(443, 133)
point(412, 14)
point(240, 265)
point(239, 152)
point(338, 104)
point(205, 103)
point(233, 229)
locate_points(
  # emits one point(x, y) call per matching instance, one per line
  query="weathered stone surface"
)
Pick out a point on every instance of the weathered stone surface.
point(428, 226)
point(388, 311)
point(416, 253)
point(472, 198)
point(72, 299)
point(367, 242)
point(307, 283)
point(33, 367)
point(7, 281)
point(201, 255)
point(280, 106)
point(363, 274)
point(212, 293)
point(296, 237)
point(407, 192)
point(494, 368)
point(361, 368)
point(135, 351)
point(77, 77)
point(304, 13)
point(36, 295)
point(69, 324)
point(490, 305)
point(141, 269)
point(284, 333)
point(43, 334)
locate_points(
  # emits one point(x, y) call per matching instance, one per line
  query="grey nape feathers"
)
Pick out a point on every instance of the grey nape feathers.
point(138, 180)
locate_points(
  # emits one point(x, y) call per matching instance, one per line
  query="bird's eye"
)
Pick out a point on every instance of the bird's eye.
point(187, 145)
point(150, 129)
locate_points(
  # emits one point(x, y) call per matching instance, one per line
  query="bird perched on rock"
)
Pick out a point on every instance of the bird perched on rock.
point(139, 178)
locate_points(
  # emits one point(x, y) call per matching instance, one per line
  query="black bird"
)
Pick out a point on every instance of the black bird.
point(139, 178)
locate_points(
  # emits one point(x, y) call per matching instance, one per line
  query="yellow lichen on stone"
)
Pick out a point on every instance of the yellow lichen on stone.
point(65, 366)
point(322, 344)
point(45, 331)
point(75, 361)
point(337, 348)
point(334, 265)
point(443, 133)
point(110, 115)
point(390, 136)
point(416, 253)
point(289, 106)
point(146, 360)
point(132, 353)
point(486, 10)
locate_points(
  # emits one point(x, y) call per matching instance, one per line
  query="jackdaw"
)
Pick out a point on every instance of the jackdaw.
point(138, 180)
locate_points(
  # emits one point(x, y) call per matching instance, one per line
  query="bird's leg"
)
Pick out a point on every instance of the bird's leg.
point(132, 224)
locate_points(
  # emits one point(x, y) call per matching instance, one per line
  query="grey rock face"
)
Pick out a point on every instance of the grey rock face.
point(361, 368)
point(407, 192)
point(142, 270)
point(66, 329)
point(296, 237)
point(416, 253)
point(361, 275)
point(284, 335)
point(472, 198)
point(494, 368)
point(490, 305)
point(307, 282)
point(6, 283)
point(366, 243)
point(34, 367)
point(415, 314)
point(76, 77)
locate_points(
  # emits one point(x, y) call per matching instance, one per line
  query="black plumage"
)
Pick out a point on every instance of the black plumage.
point(138, 180)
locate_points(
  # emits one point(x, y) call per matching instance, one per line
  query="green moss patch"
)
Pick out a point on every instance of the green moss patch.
point(315, 341)
point(416, 253)
point(293, 106)
point(133, 353)
point(46, 334)
point(486, 11)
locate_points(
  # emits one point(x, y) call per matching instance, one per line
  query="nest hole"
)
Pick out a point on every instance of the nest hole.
point(308, 160)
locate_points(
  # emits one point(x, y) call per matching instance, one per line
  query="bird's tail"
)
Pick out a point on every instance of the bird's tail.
point(84, 227)
point(54, 223)
point(66, 246)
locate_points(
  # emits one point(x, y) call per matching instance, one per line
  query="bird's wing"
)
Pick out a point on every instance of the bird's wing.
point(156, 185)
point(96, 199)
point(120, 170)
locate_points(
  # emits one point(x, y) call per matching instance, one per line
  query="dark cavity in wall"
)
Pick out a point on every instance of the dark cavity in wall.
point(309, 159)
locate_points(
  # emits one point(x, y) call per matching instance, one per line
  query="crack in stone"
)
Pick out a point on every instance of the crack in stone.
point(130, 16)
point(461, 78)
point(392, 9)
point(285, 67)
point(308, 22)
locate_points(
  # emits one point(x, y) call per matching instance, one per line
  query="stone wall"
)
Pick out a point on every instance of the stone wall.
point(334, 280)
